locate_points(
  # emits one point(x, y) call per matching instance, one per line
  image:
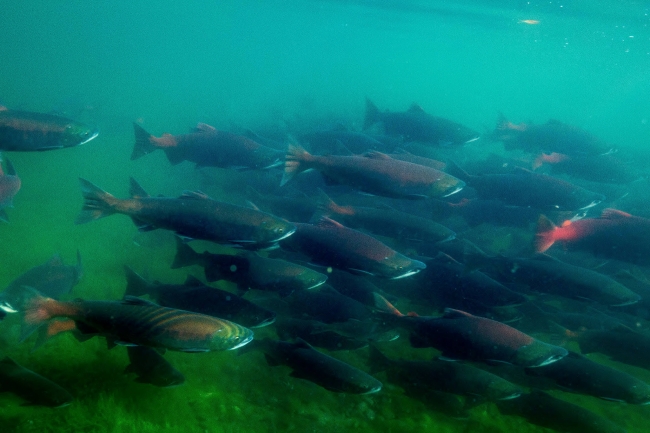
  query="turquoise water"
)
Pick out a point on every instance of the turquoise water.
point(273, 66)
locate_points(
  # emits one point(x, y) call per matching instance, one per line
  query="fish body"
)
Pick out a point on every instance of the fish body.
point(52, 279)
point(545, 274)
point(310, 364)
point(541, 409)
point(374, 173)
point(25, 131)
point(450, 377)
point(597, 168)
point(138, 322)
point(460, 335)
point(152, 368)
point(615, 234)
point(620, 344)
point(417, 125)
point(336, 141)
point(579, 374)
point(31, 386)
point(9, 187)
point(332, 244)
point(198, 298)
point(208, 146)
point(386, 221)
point(552, 136)
point(527, 189)
point(193, 215)
point(317, 334)
point(251, 271)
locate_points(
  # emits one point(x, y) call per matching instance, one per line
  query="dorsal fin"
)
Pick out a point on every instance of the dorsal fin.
point(614, 214)
point(326, 222)
point(56, 260)
point(373, 154)
point(194, 195)
point(415, 108)
point(252, 205)
point(450, 313)
point(136, 190)
point(204, 127)
point(302, 344)
point(191, 280)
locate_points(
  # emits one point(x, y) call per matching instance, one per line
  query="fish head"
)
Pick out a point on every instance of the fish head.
point(231, 337)
point(402, 266)
point(76, 134)
point(445, 186)
point(539, 354)
point(276, 229)
point(310, 279)
point(639, 394)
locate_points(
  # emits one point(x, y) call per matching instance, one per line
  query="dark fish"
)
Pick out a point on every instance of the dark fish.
point(598, 168)
point(329, 243)
point(451, 377)
point(138, 322)
point(452, 284)
point(339, 141)
point(579, 374)
point(196, 297)
point(620, 344)
point(30, 386)
point(357, 287)
point(541, 409)
point(460, 335)
point(552, 136)
point(374, 173)
point(546, 274)
point(194, 215)
point(24, 131)
point(403, 155)
point(323, 370)
point(298, 208)
point(386, 221)
point(525, 188)
point(250, 271)
point(417, 125)
point(9, 186)
point(327, 305)
point(207, 146)
point(615, 234)
point(317, 334)
point(151, 367)
point(546, 318)
point(52, 279)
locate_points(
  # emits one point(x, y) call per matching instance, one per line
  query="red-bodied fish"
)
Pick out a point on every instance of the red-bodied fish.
point(374, 173)
point(615, 234)
point(134, 321)
point(208, 147)
point(9, 186)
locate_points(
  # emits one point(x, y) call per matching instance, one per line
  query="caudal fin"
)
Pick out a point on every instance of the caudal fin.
point(185, 255)
point(294, 162)
point(372, 114)
point(37, 310)
point(97, 203)
point(545, 236)
point(135, 284)
point(143, 144)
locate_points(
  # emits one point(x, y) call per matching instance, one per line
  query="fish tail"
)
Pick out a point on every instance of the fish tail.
point(143, 142)
point(378, 361)
point(52, 329)
point(38, 309)
point(372, 114)
point(455, 170)
point(135, 284)
point(502, 122)
point(296, 161)
point(11, 171)
point(545, 236)
point(97, 203)
point(383, 305)
point(185, 255)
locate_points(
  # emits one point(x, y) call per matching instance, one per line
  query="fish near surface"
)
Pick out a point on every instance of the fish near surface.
point(525, 188)
point(323, 370)
point(374, 173)
point(329, 243)
point(460, 335)
point(137, 322)
point(616, 235)
point(9, 187)
point(25, 131)
point(417, 125)
point(196, 297)
point(208, 146)
point(194, 215)
point(152, 368)
point(31, 386)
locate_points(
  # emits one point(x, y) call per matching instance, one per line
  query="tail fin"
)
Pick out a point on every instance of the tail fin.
point(185, 255)
point(377, 360)
point(143, 144)
point(135, 284)
point(38, 309)
point(11, 171)
point(97, 203)
point(372, 114)
point(545, 236)
point(294, 162)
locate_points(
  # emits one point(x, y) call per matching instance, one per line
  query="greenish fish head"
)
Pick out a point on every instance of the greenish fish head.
point(539, 354)
point(639, 394)
point(503, 390)
point(231, 337)
point(276, 229)
point(76, 134)
point(445, 186)
point(310, 279)
point(400, 266)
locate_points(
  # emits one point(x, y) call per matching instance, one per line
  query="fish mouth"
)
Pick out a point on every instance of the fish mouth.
point(244, 342)
point(264, 323)
point(94, 135)
point(286, 235)
point(407, 274)
point(459, 187)
point(373, 390)
point(634, 301)
point(592, 204)
point(549, 360)
point(511, 396)
point(320, 283)
point(7, 308)
point(473, 139)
